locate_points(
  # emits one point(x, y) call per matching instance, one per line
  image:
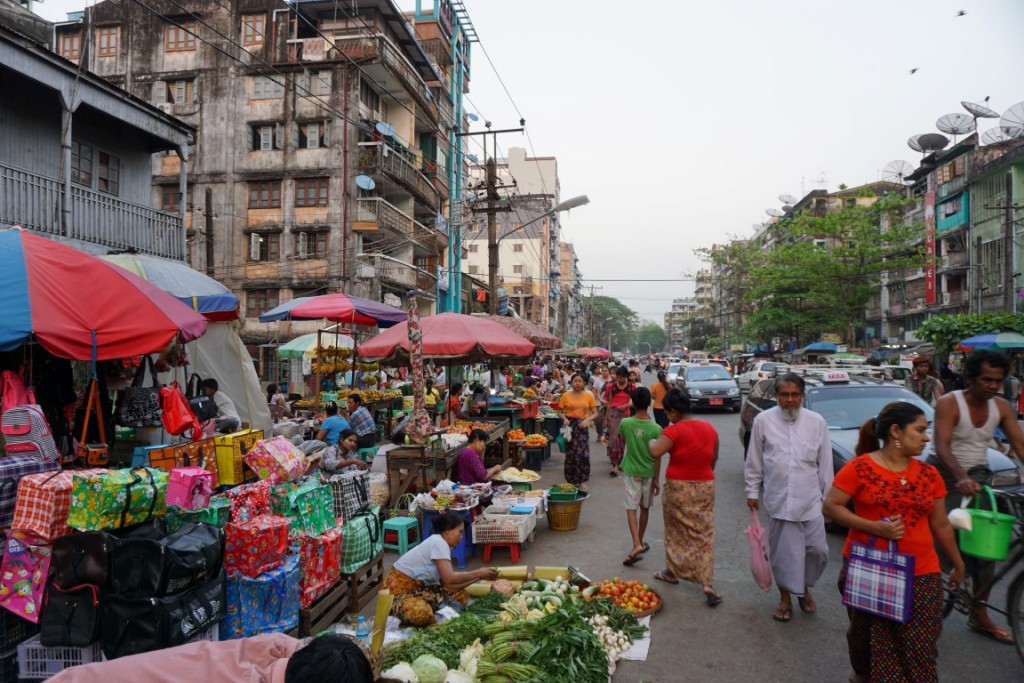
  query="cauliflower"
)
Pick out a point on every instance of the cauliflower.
point(401, 672)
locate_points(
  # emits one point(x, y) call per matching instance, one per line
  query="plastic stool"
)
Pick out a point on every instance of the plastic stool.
point(367, 454)
point(513, 548)
point(404, 527)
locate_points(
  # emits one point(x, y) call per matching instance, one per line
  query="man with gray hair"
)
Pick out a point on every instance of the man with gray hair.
point(790, 454)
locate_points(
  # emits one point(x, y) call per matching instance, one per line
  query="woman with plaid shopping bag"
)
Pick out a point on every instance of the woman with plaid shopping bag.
point(899, 498)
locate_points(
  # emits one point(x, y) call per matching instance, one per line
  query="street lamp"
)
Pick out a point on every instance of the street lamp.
point(492, 246)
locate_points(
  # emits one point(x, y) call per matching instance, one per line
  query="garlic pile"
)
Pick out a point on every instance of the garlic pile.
point(614, 642)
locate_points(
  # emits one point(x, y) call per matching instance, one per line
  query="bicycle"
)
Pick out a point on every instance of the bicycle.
point(963, 600)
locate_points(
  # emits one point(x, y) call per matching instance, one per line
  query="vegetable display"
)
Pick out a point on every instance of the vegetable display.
point(634, 596)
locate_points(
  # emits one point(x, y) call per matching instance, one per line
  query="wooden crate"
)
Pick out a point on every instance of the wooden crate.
point(363, 585)
point(325, 611)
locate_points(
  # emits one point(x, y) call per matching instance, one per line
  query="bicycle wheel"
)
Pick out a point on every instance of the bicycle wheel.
point(1015, 611)
point(962, 599)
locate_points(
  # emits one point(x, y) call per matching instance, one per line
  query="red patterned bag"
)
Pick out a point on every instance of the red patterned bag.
point(255, 546)
point(319, 565)
point(249, 501)
point(44, 501)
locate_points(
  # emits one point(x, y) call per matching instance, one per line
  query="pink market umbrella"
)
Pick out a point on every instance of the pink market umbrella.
point(419, 427)
point(593, 352)
point(451, 337)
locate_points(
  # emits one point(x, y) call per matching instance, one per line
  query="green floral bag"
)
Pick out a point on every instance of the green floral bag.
point(309, 505)
point(115, 499)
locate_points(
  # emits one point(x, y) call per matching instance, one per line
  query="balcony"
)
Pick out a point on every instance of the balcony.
point(376, 158)
point(446, 116)
point(373, 214)
point(379, 50)
point(439, 50)
point(34, 202)
point(397, 273)
point(438, 175)
point(953, 260)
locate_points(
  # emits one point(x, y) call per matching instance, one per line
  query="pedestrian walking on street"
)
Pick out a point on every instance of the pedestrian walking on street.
point(598, 382)
point(790, 454)
point(579, 411)
point(658, 391)
point(640, 471)
point(688, 499)
point(896, 497)
point(616, 396)
point(925, 381)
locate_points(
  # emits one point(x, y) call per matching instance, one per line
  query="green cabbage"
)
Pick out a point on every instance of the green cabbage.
point(430, 669)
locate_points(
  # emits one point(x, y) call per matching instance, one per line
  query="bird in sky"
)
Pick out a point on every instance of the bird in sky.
point(913, 71)
point(961, 13)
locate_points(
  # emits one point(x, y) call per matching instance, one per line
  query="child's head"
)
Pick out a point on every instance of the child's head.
point(641, 398)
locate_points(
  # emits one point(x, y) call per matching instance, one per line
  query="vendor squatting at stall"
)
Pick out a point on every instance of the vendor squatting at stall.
point(423, 579)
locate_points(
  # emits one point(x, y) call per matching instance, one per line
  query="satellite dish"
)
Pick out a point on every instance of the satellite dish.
point(897, 171)
point(980, 111)
point(787, 208)
point(1013, 117)
point(933, 142)
point(472, 117)
point(774, 213)
point(1001, 134)
point(385, 129)
point(365, 182)
point(956, 124)
point(914, 144)
point(473, 158)
point(787, 199)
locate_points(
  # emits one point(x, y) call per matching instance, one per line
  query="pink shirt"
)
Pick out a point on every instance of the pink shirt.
point(261, 659)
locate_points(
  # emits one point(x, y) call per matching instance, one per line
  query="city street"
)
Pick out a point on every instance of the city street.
point(736, 641)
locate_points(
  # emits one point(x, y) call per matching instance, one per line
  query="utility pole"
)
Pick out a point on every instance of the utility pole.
point(209, 231)
point(593, 325)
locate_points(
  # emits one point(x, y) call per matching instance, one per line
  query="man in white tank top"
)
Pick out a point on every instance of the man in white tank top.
point(965, 422)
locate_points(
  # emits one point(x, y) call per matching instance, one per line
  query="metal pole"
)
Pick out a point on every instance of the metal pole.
point(492, 237)
point(209, 231)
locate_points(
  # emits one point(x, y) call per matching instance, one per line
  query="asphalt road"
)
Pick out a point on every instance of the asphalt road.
point(737, 641)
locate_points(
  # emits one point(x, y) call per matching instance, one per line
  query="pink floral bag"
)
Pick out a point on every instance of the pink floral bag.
point(190, 488)
point(276, 460)
point(760, 567)
point(23, 574)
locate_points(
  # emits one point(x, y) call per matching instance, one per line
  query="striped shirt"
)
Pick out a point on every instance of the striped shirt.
point(362, 422)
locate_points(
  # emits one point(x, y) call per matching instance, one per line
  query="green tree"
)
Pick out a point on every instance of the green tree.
point(947, 331)
point(608, 318)
point(650, 338)
point(701, 331)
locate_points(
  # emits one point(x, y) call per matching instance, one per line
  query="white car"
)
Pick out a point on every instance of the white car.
point(673, 371)
point(762, 369)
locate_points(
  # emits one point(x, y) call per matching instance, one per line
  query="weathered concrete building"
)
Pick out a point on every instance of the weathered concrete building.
point(322, 160)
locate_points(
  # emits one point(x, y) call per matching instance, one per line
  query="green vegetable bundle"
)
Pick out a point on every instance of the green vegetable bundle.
point(618, 619)
point(444, 641)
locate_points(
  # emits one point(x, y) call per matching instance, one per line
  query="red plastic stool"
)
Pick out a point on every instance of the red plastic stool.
point(513, 548)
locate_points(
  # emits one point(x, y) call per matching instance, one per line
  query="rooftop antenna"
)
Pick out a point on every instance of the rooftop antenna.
point(933, 142)
point(774, 213)
point(913, 144)
point(956, 124)
point(787, 199)
point(897, 171)
point(999, 134)
point(365, 182)
point(979, 111)
point(1013, 119)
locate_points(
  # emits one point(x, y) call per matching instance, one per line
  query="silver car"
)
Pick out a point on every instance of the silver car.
point(758, 370)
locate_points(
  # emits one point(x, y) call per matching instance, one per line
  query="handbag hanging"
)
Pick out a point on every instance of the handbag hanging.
point(177, 415)
point(93, 454)
point(880, 581)
point(140, 406)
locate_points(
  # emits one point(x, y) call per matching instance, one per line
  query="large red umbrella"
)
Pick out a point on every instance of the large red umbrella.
point(542, 339)
point(452, 337)
point(340, 308)
point(593, 352)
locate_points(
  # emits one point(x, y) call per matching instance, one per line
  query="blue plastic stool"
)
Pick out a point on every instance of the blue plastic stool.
point(367, 454)
point(464, 550)
point(403, 527)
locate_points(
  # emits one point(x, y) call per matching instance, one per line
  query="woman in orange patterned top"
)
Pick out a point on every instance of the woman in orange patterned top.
point(896, 497)
point(579, 412)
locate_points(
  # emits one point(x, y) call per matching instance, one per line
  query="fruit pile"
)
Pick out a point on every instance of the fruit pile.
point(630, 595)
point(371, 395)
point(517, 435)
point(536, 441)
point(467, 427)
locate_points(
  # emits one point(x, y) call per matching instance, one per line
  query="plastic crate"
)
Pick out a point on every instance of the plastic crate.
point(493, 528)
point(13, 630)
point(37, 663)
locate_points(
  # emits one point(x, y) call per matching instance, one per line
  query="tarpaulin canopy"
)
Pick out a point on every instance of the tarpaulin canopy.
point(79, 306)
point(998, 340)
point(541, 338)
point(196, 290)
point(305, 346)
point(820, 347)
point(453, 337)
point(340, 308)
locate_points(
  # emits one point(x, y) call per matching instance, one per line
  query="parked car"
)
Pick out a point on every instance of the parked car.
point(709, 386)
point(846, 401)
point(896, 374)
point(758, 370)
point(672, 373)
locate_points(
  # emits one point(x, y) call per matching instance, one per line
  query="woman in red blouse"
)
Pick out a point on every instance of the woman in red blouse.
point(897, 497)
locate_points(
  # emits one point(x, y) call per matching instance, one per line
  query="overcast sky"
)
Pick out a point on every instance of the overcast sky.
point(684, 121)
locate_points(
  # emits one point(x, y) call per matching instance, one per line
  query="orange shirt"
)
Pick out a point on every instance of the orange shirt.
point(878, 492)
point(577, 406)
point(658, 392)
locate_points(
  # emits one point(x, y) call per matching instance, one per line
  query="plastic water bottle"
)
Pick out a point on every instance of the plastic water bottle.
point(362, 630)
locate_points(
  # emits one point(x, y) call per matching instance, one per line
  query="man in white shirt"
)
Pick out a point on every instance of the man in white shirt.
point(227, 415)
point(790, 453)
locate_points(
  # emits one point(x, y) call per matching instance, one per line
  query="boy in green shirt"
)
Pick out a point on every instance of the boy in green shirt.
point(640, 470)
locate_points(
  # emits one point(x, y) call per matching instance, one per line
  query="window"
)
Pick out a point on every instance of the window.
point(263, 137)
point(313, 135)
point(169, 198)
point(180, 92)
point(265, 246)
point(517, 248)
point(473, 248)
point(311, 244)
point(81, 164)
point(265, 195)
point(69, 45)
point(314, 83)
point(474, 270)
point(517, 269)
point(266, 88)
point(311, 192)
point(108, 174)
point(107, 41)
point(260, 301)
point(253, 28)
point(180, 35)
point(368, 96)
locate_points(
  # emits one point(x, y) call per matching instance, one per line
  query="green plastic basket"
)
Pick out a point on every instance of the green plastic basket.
point(991, 531)
point(522, 486)
point(562, 496)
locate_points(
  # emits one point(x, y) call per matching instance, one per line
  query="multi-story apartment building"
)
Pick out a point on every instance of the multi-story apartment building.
point(570, 315)
point(324, 155)
point(677, 323)
point(76, 154)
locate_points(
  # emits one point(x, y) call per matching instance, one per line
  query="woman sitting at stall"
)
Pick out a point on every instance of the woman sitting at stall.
point(469, 468)
point(453, 406)
point(423, 579)
point(278, 403)
point(342, 458)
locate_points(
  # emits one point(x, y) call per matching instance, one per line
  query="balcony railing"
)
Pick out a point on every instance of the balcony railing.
point(34, 202)
point(375, 157)
point(371, 48)
point(374, 210)
point(399, 272)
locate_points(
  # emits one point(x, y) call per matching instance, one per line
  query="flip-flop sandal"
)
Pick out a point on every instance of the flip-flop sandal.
point(660, 576)
point(613, 473)
point(647, 546)
point(782, 614)
point(994, 632)
point(632, 559)
point(713, 599)
point(807, 605)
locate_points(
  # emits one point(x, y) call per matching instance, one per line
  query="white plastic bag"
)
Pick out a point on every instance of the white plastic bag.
point(566, 433)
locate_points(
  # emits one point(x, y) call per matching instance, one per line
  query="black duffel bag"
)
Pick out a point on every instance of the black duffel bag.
point(145, 568)
point(81, 558)
point(134, 625)
point(70, 617)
